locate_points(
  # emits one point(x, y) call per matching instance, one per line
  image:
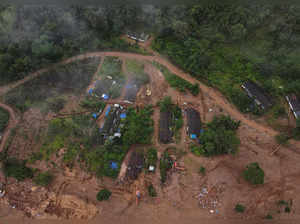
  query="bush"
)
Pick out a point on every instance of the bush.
point(166, 104)
point(202, 170)
point(282, 138)
point(43, 179)
point(13, 167)
point(287, 209)
point(254, 174)
point(268, 216)
point(152, 191)
point(239, 208)
point(103, 195)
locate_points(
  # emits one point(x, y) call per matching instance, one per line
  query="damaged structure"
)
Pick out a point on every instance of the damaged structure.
point(135, 165)
point(193, 123)
point(260, 97)
point(112, 124)
point(138, 36)
point(294, 104)
point(165, 134)
point(131, 92)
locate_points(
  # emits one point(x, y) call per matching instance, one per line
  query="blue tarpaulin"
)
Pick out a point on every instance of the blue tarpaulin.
point(193, 136)
point(107, 111)
point(128, 86)
point(114, 165)
point(104, 96)
point(94, 115)
point(123, 115)
point(90, 91)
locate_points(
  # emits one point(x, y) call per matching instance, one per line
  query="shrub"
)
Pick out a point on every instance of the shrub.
point(239, 208)
point(287, 209)
point(254, 174)
point(152, 191)
point(268, 216)
point(43, 179)
point(103, 195)
point(166, 104)
point(282, 138)
point(17, 169)
point(202, 170)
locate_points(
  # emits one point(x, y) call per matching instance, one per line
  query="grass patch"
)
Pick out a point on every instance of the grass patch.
point(239, 208)
point(176, 82)
point(103, 195)
point(254, 174)
point(136, 70)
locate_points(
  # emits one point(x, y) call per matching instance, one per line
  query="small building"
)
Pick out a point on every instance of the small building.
point(294, 104)
point(193, 123)
point(260, 97)
point(138, 36)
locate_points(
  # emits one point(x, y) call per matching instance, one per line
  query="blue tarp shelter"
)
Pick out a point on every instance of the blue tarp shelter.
point(123, 115)
point(107, 111)
point(94, 115)
point(193, 136)
point(114, 165)
point(90, 91)
point(104, 96)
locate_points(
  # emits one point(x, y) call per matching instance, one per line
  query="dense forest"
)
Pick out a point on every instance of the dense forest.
point(223, 44)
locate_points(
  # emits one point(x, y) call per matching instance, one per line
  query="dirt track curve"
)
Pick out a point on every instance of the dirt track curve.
point(213, 93)
point(12, 123)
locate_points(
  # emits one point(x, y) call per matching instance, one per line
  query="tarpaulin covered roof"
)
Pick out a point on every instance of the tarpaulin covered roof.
point(90, 91)
point(107, 111)
point(94, 115)
point(114, 165)
point(123, 115)
point(193, 136)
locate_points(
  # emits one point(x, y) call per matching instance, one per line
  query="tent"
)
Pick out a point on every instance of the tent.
point(94, 115)
point(193, 136)
point(123, 115)
point(90, 91)
point(114, 165)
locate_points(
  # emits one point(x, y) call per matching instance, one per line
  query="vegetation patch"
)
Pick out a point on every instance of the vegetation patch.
point(67, 79)
point(43, 179)
point(13, 167)
point(103, 195)
point(152, 191)
point(218, 138)
point(254, 174)
point(239, 208)
point(176, 82)
point(136, 71)
point(4, 119)
point(151, 157)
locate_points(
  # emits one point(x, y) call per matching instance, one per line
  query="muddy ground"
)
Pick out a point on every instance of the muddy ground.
point(187, 197)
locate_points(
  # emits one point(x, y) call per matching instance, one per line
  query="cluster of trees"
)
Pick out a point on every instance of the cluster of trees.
point(165, 165)
point(138, 126)
point(178, 83)
point(226, 44)
point(218, 138)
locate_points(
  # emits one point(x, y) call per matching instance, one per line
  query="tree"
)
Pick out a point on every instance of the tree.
point(4, 118)
point(103, 195)
point(254, 174)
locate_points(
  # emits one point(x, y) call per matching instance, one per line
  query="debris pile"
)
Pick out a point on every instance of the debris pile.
point(210, 198)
